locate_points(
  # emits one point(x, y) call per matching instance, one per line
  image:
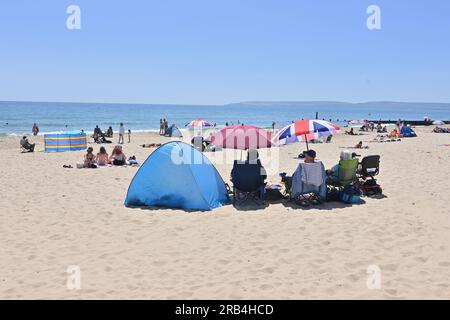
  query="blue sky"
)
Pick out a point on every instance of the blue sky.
point(223, 51)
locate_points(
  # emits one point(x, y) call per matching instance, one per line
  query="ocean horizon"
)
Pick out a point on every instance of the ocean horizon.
point(17, 117)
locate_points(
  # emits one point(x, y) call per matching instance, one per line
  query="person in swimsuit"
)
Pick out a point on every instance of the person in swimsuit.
point(102, 157)
point(118, 158)
point(89, 159)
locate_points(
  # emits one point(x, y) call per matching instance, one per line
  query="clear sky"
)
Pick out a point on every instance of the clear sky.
point(223, 51)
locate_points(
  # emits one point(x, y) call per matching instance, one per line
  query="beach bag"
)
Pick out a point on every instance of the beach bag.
point(333, 194)
point(273, 195)
point(351, 194)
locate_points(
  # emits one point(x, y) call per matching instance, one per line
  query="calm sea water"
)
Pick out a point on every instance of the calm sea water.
point(18, 117)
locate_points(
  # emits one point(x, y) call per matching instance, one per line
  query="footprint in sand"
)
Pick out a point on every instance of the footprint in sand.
point(266, 287)
point(390, 267)
point(268, 270)
point(159, 263)
point(223, 262)
point(444, 264)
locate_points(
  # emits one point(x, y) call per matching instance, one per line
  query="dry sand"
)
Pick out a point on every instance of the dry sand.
point(53, 217)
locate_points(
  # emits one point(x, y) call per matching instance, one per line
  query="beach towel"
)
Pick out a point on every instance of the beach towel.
point(301, 187)
point(312, 173)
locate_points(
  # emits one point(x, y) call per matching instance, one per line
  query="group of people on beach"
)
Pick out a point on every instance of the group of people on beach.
point(117, 158)
point(318, 177)
point(100, 137)
point(163, 126)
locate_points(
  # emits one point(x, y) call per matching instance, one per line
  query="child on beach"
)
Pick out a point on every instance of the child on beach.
point(102, 157)
point(89, 159)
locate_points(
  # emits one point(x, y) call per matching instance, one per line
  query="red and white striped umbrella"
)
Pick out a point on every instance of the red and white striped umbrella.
point(201, 123)
point(304, 130)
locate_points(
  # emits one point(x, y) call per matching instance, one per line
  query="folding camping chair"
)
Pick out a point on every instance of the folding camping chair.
point(347, 172)
point(248, 182)
point(198, 143)
point(305, 189)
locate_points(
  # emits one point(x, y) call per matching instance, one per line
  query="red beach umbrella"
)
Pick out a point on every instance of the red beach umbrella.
point(242, 137)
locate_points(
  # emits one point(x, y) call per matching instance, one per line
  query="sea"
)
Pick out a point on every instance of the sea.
point(17, 118)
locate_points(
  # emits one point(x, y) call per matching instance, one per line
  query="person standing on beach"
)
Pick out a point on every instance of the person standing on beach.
point(161, 127)
point(129, 135)
point(273, 126)
point(166, 126)
point(121, 133)
point(35, 129)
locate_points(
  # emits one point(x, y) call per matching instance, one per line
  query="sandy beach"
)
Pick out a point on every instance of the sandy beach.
point(53, 217)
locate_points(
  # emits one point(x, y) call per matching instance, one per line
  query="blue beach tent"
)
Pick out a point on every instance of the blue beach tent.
point(407, 132)
point(176, 175)
point(173, 131)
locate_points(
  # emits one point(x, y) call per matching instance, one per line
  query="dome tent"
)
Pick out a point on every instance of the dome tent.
point(173, 131)
point(176, 175)
point(407, 132)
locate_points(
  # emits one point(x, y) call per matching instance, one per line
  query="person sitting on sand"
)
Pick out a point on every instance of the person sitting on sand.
point(89, 158)
point(394, 133)
point(351, 133)
point(359, 145)
point(102, 158)
point(109, 132)
point(27, 145)
point(98, 131)
point(379, 127)
point(118, 158)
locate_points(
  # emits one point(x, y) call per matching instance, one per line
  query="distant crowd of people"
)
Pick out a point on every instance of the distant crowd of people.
point(100, 137)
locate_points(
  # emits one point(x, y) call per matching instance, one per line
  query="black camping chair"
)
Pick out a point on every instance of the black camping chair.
point(369, 167)
point(247, 181)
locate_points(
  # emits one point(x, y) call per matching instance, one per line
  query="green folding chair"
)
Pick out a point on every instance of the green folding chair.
point(347, 172)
